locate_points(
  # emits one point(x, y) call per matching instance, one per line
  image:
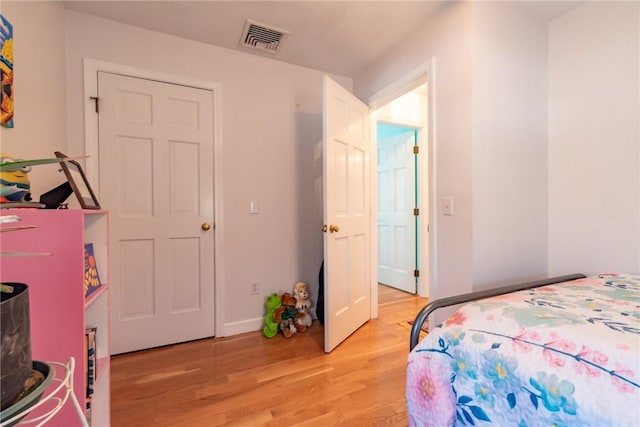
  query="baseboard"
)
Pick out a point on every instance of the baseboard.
point(249, 325)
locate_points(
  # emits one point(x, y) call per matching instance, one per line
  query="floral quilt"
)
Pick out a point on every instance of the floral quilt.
point(560, 355)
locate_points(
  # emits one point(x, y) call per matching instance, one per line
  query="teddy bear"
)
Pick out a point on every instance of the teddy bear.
point(303, 304)
point(285, 315)
point(270, 325)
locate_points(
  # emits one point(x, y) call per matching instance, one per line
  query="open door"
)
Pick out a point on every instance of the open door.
point(347, 240)
point(397, 200)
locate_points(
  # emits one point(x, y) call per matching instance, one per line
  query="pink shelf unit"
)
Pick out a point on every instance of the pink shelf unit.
point(58, 310)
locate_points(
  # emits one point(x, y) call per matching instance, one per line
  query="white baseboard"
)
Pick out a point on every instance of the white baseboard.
point(249, 325)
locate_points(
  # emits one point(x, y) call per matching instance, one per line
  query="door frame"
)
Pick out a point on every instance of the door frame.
point(424, 73)
point(91, 67)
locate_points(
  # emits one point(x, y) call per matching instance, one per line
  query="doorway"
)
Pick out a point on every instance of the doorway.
point(193, 296)
point(161, 242)
point(403, 189)
point(397, 204)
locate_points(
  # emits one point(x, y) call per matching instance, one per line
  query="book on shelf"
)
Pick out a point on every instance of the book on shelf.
point(91, 362)
point(91, 276)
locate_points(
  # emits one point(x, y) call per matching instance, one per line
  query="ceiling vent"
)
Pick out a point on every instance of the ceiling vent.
point(262, 37)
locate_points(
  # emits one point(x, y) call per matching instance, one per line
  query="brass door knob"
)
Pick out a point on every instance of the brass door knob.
point(333, 228)
point(324, 228)
point(205, 226)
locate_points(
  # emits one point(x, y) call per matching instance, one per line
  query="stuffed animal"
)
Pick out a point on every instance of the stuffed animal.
point(301, 292)
point(288, 328)
point(303, 320)
point(303, 303)
point(14, 185)
point(270, 325)
point(285, 315)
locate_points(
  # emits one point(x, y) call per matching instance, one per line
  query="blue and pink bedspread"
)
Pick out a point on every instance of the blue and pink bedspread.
point(560, 355)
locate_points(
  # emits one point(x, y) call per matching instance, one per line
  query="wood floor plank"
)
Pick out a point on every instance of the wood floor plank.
point(249, 380)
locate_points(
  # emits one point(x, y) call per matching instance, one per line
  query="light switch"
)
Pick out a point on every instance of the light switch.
point(253, 207)
point(447, 206)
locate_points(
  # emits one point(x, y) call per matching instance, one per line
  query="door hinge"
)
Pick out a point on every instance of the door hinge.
point(416, 273)
point(416, 211)
point(96, 99)
point(416, 149)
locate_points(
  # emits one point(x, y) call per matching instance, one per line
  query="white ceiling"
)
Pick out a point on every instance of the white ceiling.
point(340, 37)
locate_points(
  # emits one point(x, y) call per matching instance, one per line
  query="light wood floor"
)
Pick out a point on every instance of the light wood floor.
point(249, 380)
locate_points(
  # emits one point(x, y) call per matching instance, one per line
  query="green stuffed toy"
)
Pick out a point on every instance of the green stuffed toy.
point(270, 325)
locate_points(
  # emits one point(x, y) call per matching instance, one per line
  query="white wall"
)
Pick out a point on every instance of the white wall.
point(536, 138)
point(490, 138)
point(594, 139)
point(448, 39)
point(551, 139)
point(39, 88)
point(271, 124)
point(509, 144)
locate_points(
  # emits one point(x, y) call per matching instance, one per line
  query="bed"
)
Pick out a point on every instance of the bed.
point(559, 352)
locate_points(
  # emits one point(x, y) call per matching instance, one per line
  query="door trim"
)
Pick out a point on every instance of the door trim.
point(424, 73)
point(91, 67)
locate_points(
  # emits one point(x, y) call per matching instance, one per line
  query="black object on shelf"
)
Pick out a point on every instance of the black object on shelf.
point(54, 198)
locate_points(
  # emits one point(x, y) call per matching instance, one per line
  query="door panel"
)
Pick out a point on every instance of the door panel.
point(135, 156)
point(347, 206)
point(156, 178)
point(184, 182)
point(137, 299)
point(185, 267)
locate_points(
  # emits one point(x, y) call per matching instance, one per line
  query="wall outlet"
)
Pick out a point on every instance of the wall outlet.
point(254, 289)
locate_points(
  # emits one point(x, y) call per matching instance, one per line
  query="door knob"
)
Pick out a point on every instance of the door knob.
point(205, 226)
point(324, 228)
point(334, 228)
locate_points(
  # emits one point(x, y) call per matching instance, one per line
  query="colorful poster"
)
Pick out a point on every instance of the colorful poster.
point(6, 72)
point(91, 277)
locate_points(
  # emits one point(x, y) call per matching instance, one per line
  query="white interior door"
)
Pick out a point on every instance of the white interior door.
point(156, 179)
point(347, 213)
point(396, 220)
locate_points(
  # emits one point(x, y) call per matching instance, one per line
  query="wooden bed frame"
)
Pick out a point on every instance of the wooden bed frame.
point(474, 296)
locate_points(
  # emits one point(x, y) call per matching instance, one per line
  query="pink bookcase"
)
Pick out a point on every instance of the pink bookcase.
point(59, 312)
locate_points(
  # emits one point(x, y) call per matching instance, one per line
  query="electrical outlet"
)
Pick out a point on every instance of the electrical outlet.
point(254, 288)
